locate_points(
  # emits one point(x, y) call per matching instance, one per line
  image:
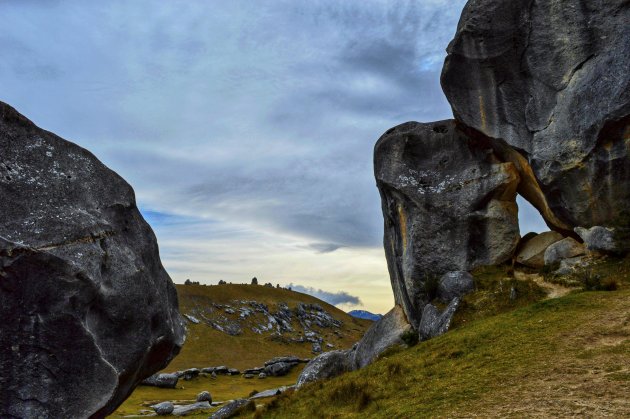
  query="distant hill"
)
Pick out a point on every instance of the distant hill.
point(364, 314)
point(242, 326)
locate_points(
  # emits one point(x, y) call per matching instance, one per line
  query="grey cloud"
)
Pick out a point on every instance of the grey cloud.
point(325, 247)
point(334, 298)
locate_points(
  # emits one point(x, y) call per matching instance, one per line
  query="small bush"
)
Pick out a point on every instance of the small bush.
point(594, 282)
point(410, 338)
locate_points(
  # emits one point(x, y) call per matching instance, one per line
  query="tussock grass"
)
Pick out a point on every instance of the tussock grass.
point(568, 356)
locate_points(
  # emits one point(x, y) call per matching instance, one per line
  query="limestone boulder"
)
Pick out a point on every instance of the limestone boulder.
point(532, 253)
point(325, 366)
point(449, 204)
point(563, 249)
point(435, 323)
point(550, 79)
point(88, 310)
point(600, 239)
point(381, 336)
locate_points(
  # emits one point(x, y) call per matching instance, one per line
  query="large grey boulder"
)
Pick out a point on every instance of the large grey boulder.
point(449, 204)
point(435, 323)
point(455, 284)
point(88, 311)
point(327, 365)
point(599, 239)
point(381, 336)
point(563, 249)
point(532, 253)
point(550, 79)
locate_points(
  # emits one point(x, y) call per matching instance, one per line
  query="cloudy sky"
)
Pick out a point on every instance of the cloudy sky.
point(245, 127)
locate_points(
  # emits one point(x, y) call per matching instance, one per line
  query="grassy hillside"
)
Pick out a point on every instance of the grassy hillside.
point(206, 346)
point(568, 356)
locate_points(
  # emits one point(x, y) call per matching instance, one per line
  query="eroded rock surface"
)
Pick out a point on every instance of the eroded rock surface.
point(449, 204)
point(381, 336)
point(551, 79)
point(88, 310)
point(532, 253)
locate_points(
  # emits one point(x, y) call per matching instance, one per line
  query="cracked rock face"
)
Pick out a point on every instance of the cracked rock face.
point(88, 310)
point(449, 204)
point(551, 79)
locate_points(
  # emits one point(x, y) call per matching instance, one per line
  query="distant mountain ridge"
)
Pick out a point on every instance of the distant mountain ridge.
point(364, 314)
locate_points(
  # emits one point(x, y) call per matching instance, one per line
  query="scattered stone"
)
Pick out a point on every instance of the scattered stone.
point(262, 375)
point(513, 293)
point(192, 319)
point(291, 359)
point(271, 393)
point(570, 265)
point(161, 380)
point(248, 376)
point(204, 396)
point(532, 253)
point(229, 409)
point(455, 284)
point(91, 308)
point(279, 369)
point(316, 348)
point(381, 336)
point(563, 249)
point(221, 370)
point(233, 371)
point(183, 410)
point(164, 408)
point(449, 204)
point(598, 239)
point(256, 370)
point(330, 345)
point(433, 322)
point(213, 375)
point(188, 374)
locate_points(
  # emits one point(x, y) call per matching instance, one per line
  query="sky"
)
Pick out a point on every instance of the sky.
point(246, 128)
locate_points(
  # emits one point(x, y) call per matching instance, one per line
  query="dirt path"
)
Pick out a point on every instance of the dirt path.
point(595, 383)
point(553, 290)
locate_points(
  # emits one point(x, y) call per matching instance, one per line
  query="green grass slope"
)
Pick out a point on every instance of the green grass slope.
point(205, 346)
point(561, 357)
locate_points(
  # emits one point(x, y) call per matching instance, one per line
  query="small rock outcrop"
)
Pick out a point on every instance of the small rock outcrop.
point(449, 204)
point(435, 323)
point(229, 409)
point(162, 380)
point(563, 249)
point(551, 80)
point(164, 408)
point(600, 239)
point(204, 396)
point(88, 310)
